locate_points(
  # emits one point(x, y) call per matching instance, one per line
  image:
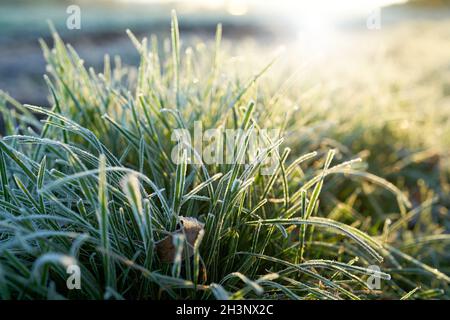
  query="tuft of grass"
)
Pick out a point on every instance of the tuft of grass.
point(90, 182)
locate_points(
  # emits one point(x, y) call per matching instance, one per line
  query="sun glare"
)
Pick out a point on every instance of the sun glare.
point(316, 21)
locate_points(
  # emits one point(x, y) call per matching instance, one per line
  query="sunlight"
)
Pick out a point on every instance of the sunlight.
point(316, 21)
point(317, 32)
point(341, 6)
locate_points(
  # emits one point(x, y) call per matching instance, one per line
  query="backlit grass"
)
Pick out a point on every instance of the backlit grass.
point(91, 182)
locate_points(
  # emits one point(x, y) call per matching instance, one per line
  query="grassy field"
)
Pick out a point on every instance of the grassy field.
point(361, 181)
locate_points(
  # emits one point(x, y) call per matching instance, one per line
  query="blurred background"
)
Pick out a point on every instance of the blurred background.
point(313, 26)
